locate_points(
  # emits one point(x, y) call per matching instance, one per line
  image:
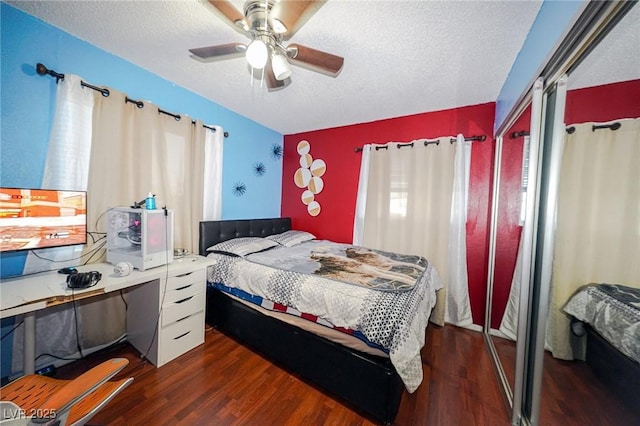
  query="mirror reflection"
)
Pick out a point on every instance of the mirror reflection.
point(592, 363)
point(510, 216)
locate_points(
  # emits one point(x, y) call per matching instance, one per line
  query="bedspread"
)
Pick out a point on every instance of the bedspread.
point(395, 320)
point(612, 310)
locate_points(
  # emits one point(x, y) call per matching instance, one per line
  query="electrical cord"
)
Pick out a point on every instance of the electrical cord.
point(75, 316)
point(12, 330)
point(126, 305)
point(106, 348)
point(166, 280)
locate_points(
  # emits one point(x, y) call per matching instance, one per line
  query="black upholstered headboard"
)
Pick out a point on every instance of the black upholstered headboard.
point(213, 232)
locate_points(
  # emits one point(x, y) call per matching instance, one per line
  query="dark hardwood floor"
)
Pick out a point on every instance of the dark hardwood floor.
point(572, 395)
point(224, 383)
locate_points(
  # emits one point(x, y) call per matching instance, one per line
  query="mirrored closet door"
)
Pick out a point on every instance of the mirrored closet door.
point(596, 240)
point(590, 87)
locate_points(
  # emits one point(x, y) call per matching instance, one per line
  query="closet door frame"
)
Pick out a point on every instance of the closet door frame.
point(593, 24)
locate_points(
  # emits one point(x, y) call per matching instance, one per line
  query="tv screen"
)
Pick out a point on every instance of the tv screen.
point(41, 218)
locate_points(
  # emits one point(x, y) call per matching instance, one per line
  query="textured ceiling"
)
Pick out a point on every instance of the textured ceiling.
point(615, 58)
point(401, 57)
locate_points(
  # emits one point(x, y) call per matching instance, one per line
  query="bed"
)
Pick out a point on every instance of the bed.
point(608, 317)
point(360, 370)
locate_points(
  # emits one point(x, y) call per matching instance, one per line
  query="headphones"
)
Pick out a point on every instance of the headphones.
point(83, 279)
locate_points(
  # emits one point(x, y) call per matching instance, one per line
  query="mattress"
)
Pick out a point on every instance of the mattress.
point(613, 311)
point(387, 309)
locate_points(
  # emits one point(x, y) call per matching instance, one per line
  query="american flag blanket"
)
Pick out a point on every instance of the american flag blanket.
point(270, 305)
point(395, 320)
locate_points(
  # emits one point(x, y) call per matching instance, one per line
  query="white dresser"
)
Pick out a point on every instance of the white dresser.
point(166, 320)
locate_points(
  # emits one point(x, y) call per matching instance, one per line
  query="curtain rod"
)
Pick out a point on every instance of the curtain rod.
point(43, 70)
point(612, 126)
point(479, 138)
point(571, 129)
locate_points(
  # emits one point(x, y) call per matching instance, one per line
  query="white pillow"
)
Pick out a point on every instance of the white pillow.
point(242, 246)
point(291, 238)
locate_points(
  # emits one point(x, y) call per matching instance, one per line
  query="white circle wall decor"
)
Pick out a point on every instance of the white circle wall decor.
point(303, 147)
point(313, 208)
point(316, 184)
point(307, 197)
point(318, 167)
point(306, 160)
point(309, 177)
point(302, 177)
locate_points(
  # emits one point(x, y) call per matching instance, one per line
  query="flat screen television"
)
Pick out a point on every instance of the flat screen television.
point(41, 218)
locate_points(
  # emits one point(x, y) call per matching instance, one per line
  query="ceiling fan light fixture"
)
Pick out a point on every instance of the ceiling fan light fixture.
point(257, 54)
point(280, 66)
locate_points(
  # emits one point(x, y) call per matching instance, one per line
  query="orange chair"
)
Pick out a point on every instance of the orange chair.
point(35, 399)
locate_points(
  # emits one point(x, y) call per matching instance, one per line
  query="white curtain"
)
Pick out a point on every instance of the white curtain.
point(66, 168)
point(407, 209)
point(598, 219)
point(361, 198)
point(212, 195)
point(509, 322)
point(458, 308)
point(120, 152)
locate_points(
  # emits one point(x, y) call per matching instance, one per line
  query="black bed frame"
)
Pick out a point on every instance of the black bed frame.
point(368, 384)
point(619, 373)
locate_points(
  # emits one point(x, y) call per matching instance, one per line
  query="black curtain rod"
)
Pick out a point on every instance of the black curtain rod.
point(43, 70)
point(516, 135)
point(479, 138)
point(612, 126)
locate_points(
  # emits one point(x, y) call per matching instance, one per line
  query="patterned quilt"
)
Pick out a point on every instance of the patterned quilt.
point(613, 310)
point(395, 320)
point(375, 269)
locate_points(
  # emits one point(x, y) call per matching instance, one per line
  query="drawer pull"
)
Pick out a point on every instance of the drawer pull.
point(182, 335)
point(182, 319)
point(185, 300)
point(184, 275)
point(182, 288)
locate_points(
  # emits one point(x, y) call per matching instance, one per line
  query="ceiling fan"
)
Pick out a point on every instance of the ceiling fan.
point(270, 23)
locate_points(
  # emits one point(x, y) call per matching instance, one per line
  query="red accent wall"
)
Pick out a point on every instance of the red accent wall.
point(598, 104)
point(508, 227)
point(337, 200)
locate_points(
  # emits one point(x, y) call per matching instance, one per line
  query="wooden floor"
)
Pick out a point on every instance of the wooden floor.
point(224, 383)
point(571, 393)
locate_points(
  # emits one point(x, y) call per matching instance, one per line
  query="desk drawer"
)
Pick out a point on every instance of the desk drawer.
point(182, 308)
point(181, 337)
point(183, 280)
point(183, 292)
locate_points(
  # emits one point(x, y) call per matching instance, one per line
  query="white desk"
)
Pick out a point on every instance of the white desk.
point(29, 294)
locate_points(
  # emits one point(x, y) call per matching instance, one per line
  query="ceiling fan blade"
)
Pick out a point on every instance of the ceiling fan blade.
point(315, 60)
point(234, 17)
point(294, 13)
point(219, 52)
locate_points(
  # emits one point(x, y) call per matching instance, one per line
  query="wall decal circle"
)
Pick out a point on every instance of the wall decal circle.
point(316, 184)
point(306, 160)
point(303, 147)
point(307, 197)
point(313, 208)
point(302, 177)
point(318, 167)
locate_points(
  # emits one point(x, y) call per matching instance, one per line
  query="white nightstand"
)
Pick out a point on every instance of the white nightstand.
point(166, 320)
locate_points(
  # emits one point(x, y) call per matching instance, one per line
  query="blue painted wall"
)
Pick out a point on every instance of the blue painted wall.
point(548, 28)
point(26, 111)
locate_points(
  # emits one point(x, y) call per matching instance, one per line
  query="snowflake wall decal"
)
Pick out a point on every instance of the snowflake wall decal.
point(239, 189)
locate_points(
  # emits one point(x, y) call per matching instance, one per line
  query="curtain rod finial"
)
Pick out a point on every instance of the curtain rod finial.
point(41, 69)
